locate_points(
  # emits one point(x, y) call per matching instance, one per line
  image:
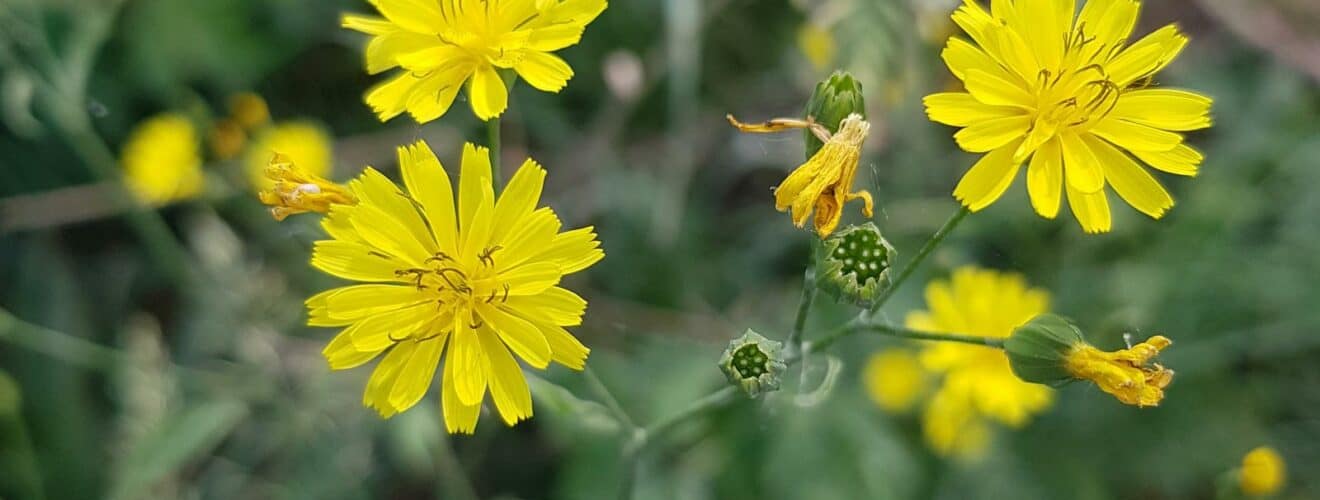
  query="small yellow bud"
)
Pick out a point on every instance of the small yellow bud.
point(227, 139)
point(248, 110)
point(297, 191)
point(1263, 472)
point(1127, 374)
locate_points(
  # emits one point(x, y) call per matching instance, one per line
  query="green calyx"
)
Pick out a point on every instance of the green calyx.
point(1038, 349)
point(753, 363)
point(854, 264)
point(835, 98)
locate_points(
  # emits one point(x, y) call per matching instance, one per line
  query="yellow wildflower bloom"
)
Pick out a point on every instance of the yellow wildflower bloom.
point(295, 190)
point(478, 279)
point(227, 139)
point(978, 383)
point(161, 159)
point(894, 379)
point(1123, 373)
point(446, 44)
point(305, 144)
point(824, 182)
point(1263, 472)
point(1067, 93)
point(952, 424)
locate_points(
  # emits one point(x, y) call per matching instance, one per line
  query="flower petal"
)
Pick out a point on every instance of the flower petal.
point(1131, 181)
point(381, 330)
point(474, 186)
point(574, 250)
point(1182, 160)
point(359, 301)
point(518, 199)
point(1136, 137)
point(341, 354)
point(1045, 179)
point(998, 89)
point(991, 134)
point(508, 387)
point(429, 185)
point(1147, 56)
point(460, 417)
point(1168, 109)
point(1080, 166)
point(960, 109)
point(520, 335)
point(390, 98)
point(421, 16)
point(469, 363)
point(382, 380)
point(960, 56)
point(555, 306)
point(1091, 210)
point(355, 261)
point(988, 179)
point(488, 93)
point(415, 377)
point(544, 71)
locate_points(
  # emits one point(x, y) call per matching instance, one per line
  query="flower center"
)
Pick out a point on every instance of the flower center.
point(460, 288)
point(1079, 92)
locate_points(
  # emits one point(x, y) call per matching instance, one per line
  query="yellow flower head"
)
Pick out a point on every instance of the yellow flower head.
point(477, 278)
point(1263, 472)
point(305, 144)
point(294, 190)
point(1068, 93)
point(444, 44)
point(824, 182)
point(978, 382)
point(894, 379)
point(161, 159)
point(1127, 374)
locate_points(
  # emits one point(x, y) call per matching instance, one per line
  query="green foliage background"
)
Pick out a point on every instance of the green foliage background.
point(214, 389)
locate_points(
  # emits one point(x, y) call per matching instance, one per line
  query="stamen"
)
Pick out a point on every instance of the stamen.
point(438, 257)
point(399, 273)
point(485, 255)
point(462, 288)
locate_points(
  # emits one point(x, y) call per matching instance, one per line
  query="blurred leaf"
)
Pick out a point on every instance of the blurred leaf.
point(559, 401)
point(20, 479)
point(178, 442)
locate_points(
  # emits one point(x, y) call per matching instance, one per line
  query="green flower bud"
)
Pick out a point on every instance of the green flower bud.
point(1038, 350)
point(834, 99)
point(753, 363)
point(854, 264)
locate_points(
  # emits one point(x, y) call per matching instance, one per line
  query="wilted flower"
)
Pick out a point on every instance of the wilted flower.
point(294, 190)
point(445, 45)
point(1067, 94)
point(476, 279)
point(305, 144)
point(162, 161)
point(1051, 350)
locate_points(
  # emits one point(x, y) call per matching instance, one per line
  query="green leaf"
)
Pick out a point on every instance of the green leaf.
point(180, 440)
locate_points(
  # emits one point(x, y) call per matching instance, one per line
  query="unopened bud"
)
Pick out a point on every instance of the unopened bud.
point(835, 98)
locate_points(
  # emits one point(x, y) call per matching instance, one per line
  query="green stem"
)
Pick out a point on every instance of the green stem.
point(856, 326)
point(925, 251)
point(610, 401)
point(59, 345)
point(454, 482)
point(493, 141)
point(804, 310)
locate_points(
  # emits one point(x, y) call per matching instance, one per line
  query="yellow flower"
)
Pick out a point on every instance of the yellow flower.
point(894, 379)
point(1263, 472)
point(295, 190)
point(305, 144)
point(952, 424)
point(978, 383)
point(1069, 94)
point(817, 44)
point(444, 44)
point(161, 159)
point(477, 280)
point(1123, 373)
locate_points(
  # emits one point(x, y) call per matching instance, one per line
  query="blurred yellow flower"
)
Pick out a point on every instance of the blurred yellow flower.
point(894, 379)
point(480, 278)
point(817, 44)
point(978, 383)
point(248, 110)
point(1263, 472)
point(305, 144)
point(1065, 92)
point(227, 139)
point(161, 159)
point(297, 191)
point(1123, 373)
point(446, 44)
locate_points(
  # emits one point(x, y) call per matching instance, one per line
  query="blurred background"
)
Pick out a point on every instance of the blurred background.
point(162, 353)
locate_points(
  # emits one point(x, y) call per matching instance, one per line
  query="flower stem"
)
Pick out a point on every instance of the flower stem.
point(493, 141)
point(897, 331)
point(608, 398)
point(925, 251)
point(804, 309)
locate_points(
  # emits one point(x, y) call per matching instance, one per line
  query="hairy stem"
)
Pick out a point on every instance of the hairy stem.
point(925, 251)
